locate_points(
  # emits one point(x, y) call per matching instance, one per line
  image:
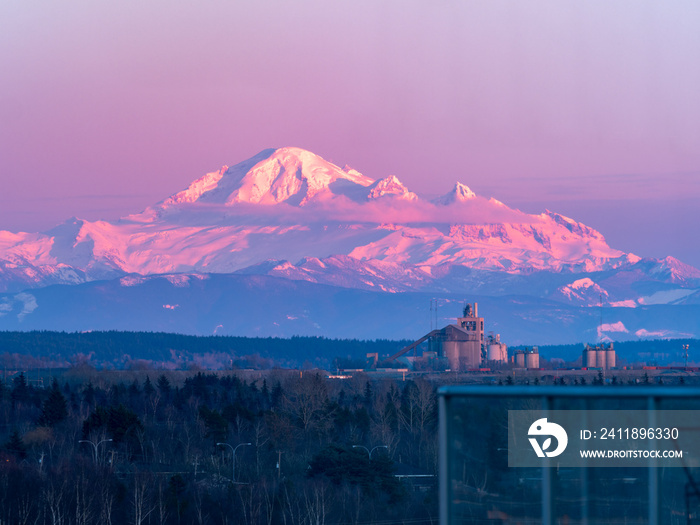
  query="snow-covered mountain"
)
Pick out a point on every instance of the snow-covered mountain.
point(289, 175)
point(289, 213)
point(290, 204)
point(460, 193)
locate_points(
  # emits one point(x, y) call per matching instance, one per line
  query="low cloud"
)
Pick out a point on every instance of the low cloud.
point(341, 209)
point(618, 327)
point(29, 304)
point(5, 306)
point(652, 333)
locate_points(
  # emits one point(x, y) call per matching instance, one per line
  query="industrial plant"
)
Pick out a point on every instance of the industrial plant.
point(600, 356)
point(462, 346)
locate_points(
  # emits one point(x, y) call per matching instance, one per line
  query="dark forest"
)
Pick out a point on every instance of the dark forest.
point(86, 449)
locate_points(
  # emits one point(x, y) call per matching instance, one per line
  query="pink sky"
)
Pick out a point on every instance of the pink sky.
point(590, 109)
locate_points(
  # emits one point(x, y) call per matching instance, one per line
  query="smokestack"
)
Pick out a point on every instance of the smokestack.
point(476, 311)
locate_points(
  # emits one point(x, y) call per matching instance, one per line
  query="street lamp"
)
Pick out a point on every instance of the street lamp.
point(369, 452)
point(233, 457)
point(94, 446)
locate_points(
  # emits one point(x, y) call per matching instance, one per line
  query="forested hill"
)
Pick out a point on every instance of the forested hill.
point(130, 349)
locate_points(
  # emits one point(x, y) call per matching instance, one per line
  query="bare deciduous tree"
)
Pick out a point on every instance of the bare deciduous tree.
point(141, 500)
point(84, 497)
point(54, 496)
point(316, 500)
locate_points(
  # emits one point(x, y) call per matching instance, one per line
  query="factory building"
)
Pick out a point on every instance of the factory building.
point(495, 350)
point(462, 344)
point(598, 357)
point(527, 358)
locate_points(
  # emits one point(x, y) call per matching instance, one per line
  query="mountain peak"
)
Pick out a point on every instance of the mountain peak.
point(679, 269)
point(390, 186)
point(292, 175)
point(460, 193)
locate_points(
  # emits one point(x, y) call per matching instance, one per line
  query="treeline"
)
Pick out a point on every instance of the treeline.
point(301, 448)
point(166, 350)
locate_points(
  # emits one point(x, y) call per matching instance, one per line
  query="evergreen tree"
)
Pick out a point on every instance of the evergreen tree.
point(54, 409)
point(115, 393)
point(148, 389)
point(368, 394)
point(16, 446)
point(347, 465)
point(120, 423)
point(178, 398)
point(123, 423)
point(216, 425)
point(164, 386)
point(89, 394)
point(20, 390)
point(95, 421)
point(277, 393)
point(134, 389)
point(265, 395)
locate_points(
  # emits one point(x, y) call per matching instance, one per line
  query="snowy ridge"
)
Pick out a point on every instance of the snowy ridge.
point(197, 188)
point(334, 226)
point(585, 292)
point(390, 187)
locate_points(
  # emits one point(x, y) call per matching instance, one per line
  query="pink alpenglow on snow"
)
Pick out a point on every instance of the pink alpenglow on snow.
point(291, 205)
point(460, 193)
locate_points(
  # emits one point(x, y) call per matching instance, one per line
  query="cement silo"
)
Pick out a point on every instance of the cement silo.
point(610, 361)
point(460, 348)
point(495, 350)
point(598, 357)
point(462, 343)
point(532, 358)
point(519, 359)
point(589, 358)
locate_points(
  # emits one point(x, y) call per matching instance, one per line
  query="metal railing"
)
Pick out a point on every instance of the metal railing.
point(452, 399)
